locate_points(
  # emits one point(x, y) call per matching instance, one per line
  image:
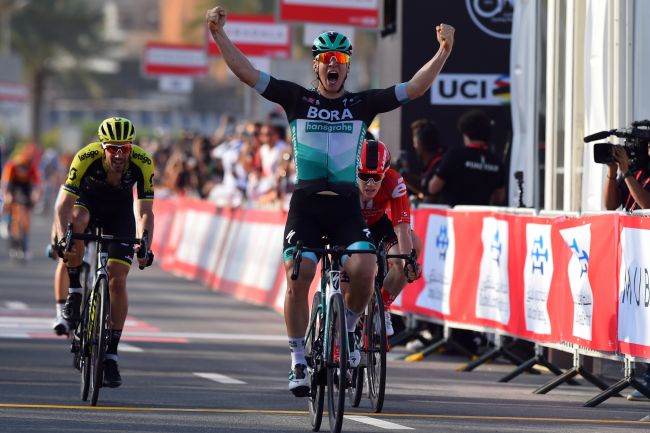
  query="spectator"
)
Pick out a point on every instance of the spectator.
point(273, 146)
point(426, 142)
point(471, 174)
point(629, 191)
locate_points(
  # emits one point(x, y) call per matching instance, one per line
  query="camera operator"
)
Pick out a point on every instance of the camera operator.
point(630, 190)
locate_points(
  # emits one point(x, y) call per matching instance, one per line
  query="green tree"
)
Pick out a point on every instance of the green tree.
point(47, 32)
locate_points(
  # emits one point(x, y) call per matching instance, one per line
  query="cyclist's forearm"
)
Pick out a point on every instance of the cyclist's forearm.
point(63, 213)
point(404, 242)
point(145, 218)
point(236, 61)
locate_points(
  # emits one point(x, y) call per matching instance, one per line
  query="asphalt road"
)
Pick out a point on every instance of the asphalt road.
point(196, 361)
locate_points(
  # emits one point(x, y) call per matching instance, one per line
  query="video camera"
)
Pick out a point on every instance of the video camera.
point(636, 138)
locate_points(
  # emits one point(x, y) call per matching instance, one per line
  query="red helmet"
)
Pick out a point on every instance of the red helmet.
point(375, 158)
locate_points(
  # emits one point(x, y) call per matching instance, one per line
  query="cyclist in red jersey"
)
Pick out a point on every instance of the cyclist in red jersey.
point(381, 187)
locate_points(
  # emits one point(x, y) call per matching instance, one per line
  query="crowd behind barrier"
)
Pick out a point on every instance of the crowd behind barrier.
point(580, 283)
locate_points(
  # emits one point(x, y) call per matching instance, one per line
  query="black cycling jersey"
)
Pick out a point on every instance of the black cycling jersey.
point(88, 176)
point(327, 134)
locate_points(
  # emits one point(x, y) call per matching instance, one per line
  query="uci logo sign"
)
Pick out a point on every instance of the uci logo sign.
point(471, 89)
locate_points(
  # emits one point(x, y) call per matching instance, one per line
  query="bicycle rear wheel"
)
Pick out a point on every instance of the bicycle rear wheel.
point(315, 361)
point(100, 335)
point(336, 366)
point(376, 357)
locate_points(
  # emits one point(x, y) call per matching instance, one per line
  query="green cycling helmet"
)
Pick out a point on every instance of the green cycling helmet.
point(116, 130)
point(331, 41)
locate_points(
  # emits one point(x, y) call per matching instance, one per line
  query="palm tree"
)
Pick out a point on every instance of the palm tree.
point(46, 31)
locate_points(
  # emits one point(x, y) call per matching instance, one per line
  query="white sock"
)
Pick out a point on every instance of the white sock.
point(59, 309)
point(297, 348)
point(351, 319)
point(75, 290)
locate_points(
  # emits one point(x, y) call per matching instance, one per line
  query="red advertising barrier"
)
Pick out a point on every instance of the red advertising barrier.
point(582, 281)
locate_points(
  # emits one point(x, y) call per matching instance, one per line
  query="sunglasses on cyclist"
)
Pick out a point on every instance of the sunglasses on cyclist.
point(367, 177)
point(327, 57)
point(114, 148)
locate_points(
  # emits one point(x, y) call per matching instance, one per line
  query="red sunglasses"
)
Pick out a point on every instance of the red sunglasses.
point(114, 148)
point(367, 177)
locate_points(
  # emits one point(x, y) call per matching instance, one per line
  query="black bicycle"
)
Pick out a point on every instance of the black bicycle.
point(371, 337)
point(326, 342)
point(92, 333)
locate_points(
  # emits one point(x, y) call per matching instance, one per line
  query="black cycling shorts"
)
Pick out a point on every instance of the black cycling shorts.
point(312, 216)
point(115, 218)
point(384, 229)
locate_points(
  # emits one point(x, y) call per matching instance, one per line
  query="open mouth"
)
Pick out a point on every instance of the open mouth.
point(332, 77)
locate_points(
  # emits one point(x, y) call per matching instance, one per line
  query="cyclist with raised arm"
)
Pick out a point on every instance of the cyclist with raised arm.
point(99, 190)
point(381, 187)
point(328, 125)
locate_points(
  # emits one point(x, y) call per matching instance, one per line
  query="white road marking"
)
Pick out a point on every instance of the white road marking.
point(15, 305)
point(210, 336)
point(220, 378)
point(377, 422)
point(126, 347)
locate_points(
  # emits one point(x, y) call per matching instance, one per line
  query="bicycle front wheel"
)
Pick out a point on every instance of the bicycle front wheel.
point(100, 335)
point(376, 357)
point(315, 361)
point(84, 334)
point(337, 361)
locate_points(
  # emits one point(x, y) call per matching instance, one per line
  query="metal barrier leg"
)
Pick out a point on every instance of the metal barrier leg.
point(538, 359)
point(446, 340)
point(569, 374)
point(577, 369)
point(628, 380)
point(498, 350)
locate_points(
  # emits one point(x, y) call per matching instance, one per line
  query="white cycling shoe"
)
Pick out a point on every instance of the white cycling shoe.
point(389, 325)
point(61, 326)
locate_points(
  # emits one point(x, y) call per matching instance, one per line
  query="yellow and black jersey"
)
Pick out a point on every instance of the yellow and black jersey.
point(87, 175)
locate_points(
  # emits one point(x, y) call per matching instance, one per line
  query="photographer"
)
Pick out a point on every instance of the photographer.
point(631, 190)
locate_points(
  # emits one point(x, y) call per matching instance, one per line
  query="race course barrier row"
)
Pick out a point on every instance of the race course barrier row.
point(573, 282)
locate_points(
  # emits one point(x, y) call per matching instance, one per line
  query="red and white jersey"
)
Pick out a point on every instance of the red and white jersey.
point(392, 192)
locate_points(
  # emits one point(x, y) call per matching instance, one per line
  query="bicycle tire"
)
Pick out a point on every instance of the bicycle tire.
point(314, 352)
point(356, 386)
point(83, 353)
point(336, 368)
point(99, 339)
point(376, 357)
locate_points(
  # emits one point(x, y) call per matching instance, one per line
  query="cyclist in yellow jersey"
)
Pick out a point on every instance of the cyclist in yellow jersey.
point(99, 191)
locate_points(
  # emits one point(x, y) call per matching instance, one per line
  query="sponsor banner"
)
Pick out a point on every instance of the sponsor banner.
point(538, 274)
point(362, 13)
point(578, 239)
point(588, 280)
point(255, 35)
point(437, 263)
point(13, 92)
point(634, 287)
point(311, 32)
point(493, 289)
point(471, 89)
point(174, 59)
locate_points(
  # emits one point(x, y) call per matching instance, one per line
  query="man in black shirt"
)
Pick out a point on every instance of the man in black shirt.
point(471, 174)
point(629, 191)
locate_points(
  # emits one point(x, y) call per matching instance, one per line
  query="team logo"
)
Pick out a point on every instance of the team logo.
point(493, 17)
point(90, 154)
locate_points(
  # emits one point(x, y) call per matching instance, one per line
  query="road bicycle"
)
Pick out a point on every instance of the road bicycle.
point(326, 342)
point(91, 335)
point(371, 337)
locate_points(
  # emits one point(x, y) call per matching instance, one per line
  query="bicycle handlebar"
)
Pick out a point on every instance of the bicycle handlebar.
point(336, 251)
point(143, 242)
